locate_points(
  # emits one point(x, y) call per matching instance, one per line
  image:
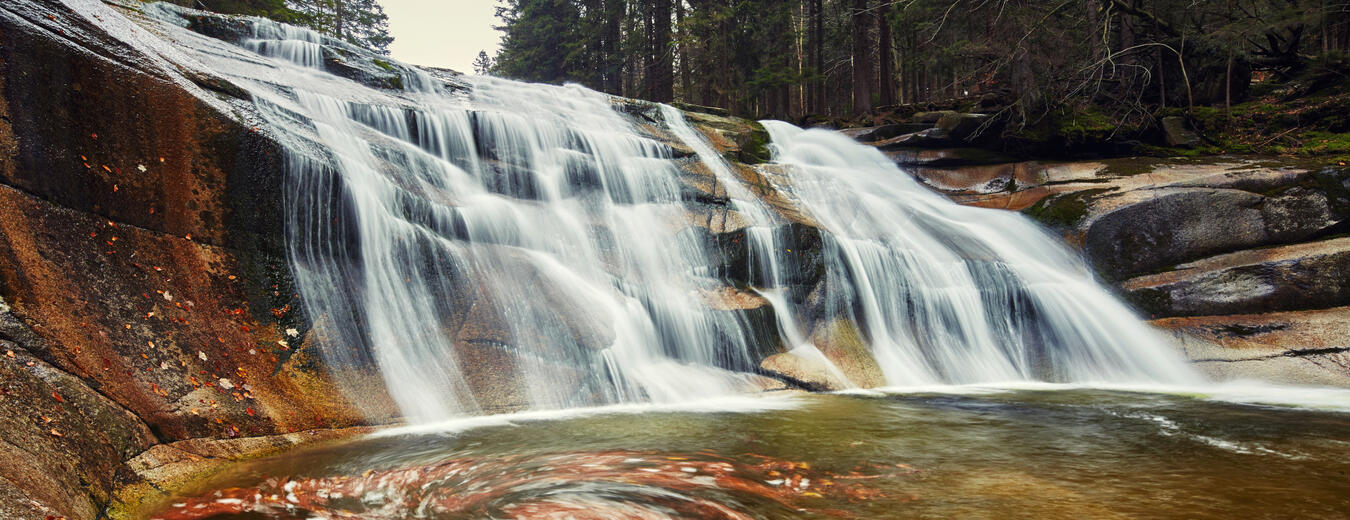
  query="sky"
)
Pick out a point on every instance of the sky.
point(442, 33)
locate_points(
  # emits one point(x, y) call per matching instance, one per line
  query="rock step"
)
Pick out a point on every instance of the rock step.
point(1292, 347)
point(1309, 275)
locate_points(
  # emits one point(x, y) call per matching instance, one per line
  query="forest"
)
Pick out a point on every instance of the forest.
point(843, 58)
point(360, 22)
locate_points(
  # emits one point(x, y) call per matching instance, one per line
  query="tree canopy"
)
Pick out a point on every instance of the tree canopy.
point(790, 58)
point(360, 22)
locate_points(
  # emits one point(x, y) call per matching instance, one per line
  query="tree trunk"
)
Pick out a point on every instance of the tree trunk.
point(817, 56)
point(660, 83)
point(862, 63)
point(609, 49)
point(686, 89)
point(885, 55)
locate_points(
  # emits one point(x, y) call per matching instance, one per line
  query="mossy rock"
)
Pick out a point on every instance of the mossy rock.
point(1064, 211)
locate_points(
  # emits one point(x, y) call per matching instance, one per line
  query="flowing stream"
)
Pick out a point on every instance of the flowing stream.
point(488, 245)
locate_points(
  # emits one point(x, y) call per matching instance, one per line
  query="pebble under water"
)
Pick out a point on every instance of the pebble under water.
point(1010, 453)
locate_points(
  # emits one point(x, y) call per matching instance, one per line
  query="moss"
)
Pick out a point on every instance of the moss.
point(755, 149)
point(1086, 125)
point(384, 65)
point(1325, 143)
point(690, 107)
point(1063, 211)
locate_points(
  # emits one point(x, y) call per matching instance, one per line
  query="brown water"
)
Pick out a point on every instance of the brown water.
point(1043, 454)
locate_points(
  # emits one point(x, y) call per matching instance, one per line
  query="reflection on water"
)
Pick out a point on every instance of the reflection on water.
point(1070, 454)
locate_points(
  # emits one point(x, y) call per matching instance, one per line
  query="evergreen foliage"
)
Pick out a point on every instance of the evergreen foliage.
point(840, 58)
point(360, 22)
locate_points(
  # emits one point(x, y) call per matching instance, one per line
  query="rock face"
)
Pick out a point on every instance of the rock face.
point(1313, 275)
point(146, 293)
point(1295, 347)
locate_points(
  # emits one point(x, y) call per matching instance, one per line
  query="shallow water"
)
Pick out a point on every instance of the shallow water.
point(976, 453)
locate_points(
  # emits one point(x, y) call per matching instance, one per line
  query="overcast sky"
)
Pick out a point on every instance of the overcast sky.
point(442, 33)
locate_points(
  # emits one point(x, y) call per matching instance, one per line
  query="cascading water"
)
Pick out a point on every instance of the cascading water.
point(294, 44)
point(946, 293)
point(490, 244)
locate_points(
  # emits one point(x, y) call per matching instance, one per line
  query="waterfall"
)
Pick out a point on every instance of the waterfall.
point(487, 244)
point(946, 293)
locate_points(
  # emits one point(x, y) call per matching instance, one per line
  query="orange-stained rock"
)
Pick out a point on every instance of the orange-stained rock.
point(142, 265)
point(1297, 347)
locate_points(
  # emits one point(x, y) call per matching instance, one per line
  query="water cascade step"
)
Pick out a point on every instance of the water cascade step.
point(489, 244)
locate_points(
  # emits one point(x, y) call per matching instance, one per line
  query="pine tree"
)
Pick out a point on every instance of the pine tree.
point(482, 64)
point(359, 22)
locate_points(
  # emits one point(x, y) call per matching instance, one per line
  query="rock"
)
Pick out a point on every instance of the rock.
point(930, 138)
point(1147, 230)
point(172, 311)
point(731, 299)
point(805, 368)
point(1300, 276)
point(945, 157)
point(717, 219)
point(962, 127)
point(143, 257)
point(1177, 133)
point(1297, 347)
point(840, 341)
point(932, 117)
point(63, 442)
point(836, 358)
point(161, 471)
point(690, 107)
point(739, 140)
point(883, 132)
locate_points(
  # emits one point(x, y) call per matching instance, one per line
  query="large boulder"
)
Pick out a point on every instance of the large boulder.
point(1300, 276)
point(1131, 225)
point(1293, 347)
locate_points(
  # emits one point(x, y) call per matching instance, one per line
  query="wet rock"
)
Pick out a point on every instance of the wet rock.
point(805, 369)
point(1300, 276)
point(739, 140)
point(841, 342)
point(63, 442)
point(160, 471)
point(717, 219)
point(143, 255)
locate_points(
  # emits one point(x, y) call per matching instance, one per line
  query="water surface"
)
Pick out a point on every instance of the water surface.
point(1024, 453)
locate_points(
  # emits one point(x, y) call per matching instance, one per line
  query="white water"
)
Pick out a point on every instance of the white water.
point(512, 245)
point(954, 294)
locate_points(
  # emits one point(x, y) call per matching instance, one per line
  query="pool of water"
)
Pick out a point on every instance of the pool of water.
point(1043, 453)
